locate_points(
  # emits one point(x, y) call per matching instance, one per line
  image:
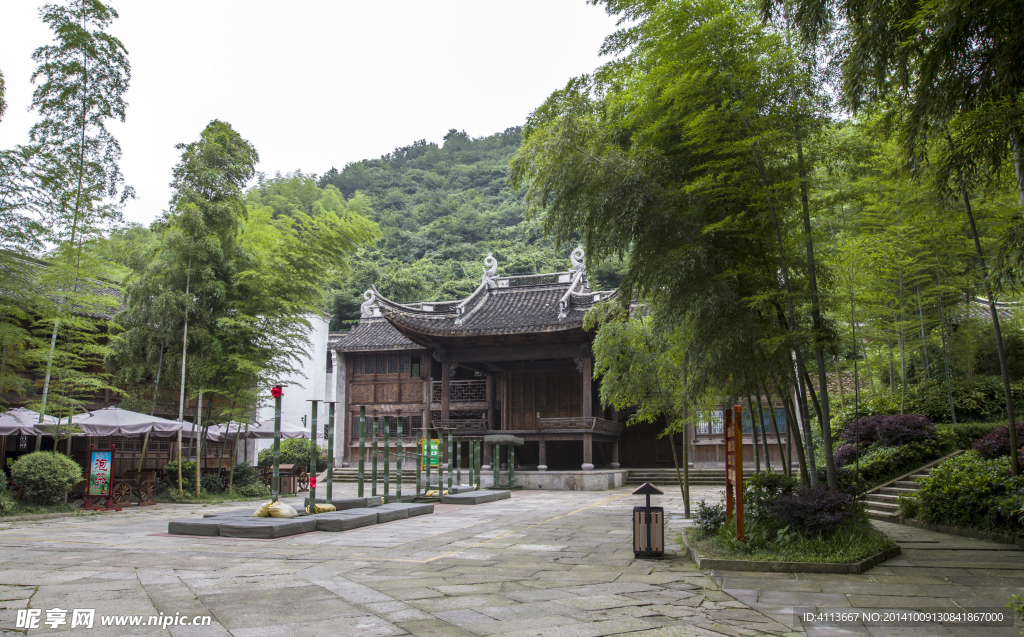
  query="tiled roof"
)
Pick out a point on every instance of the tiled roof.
point(370, 334)
point(501, 305)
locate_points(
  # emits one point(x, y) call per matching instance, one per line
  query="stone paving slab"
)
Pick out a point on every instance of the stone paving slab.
point(535, 564)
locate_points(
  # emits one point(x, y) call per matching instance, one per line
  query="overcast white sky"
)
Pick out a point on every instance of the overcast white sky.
point(315, 84)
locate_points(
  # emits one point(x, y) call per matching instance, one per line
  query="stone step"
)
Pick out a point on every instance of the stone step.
point(907, 484)
point(881, 515)
point(898, 491)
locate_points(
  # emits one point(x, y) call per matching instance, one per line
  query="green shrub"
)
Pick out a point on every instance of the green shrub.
point(761, 490)
point(293, 451)
point(211, 483)
point(880, 464)
point(978, 401)
point(909, 506)
point(45, 477)
point(188, 476)
point(244, 473)
point(963, 434)
point(971, 492)
point(709, 517)
point(251, 490)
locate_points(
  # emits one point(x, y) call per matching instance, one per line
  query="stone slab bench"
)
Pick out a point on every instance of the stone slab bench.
point(266, 528)
point(409, 509)
point(338, 521)
point(473, 497)
point(195, 526)
point(353, 503)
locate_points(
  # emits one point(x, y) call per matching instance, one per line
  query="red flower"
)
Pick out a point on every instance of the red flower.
point(276, 392)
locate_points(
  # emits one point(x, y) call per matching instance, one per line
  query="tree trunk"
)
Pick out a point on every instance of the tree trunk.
point(793, 428)
point(945, 352)
point(199, 443)
point(679, 477)
point(787, 461)
point(805, 423)
point(753, 435)
point(1014, 460)
point(924, 341)
point(49, 366)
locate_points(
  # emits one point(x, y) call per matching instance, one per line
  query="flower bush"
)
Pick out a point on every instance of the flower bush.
point(44, 476)
point(761, 490)
point(997, 443)
point(814, 510)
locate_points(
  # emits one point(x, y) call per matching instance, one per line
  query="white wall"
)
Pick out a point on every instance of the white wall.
point(308, 384)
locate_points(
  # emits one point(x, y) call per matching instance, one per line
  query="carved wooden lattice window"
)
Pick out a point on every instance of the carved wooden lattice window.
point(382, 363)
point(357, 364)
point(405, 364)
point(415, 371)
point(369, 363)
point(393, 364)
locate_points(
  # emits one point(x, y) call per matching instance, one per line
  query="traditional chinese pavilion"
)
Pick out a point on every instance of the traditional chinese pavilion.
point(511, 357)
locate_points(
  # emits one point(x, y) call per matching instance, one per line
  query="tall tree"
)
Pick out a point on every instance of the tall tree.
point(82, 80)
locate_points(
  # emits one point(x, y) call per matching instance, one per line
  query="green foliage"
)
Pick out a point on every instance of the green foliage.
point(970, 492)
point(881, 463)
point(441, 209)
point(709, 518)
point(44, 476)
point(976, 400)
point(244, 474)
point(188, 476)
point(251, 490)
point(761, 490)
point(854, 540)
point(293, 451)
point(211, 483)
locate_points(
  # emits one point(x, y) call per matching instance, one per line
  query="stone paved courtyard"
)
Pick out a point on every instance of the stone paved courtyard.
point(553, 564)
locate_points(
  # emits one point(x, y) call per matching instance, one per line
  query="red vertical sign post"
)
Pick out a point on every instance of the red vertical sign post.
point(734, 466)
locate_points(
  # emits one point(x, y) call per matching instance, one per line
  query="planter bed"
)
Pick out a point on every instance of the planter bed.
point(761, 566)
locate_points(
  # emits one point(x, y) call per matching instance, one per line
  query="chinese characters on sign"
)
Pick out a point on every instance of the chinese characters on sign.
point(99, 472)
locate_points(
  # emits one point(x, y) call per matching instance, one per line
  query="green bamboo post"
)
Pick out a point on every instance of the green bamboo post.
point(314, 451)
point(373, 457)
point(458, 462)
point(329, 434)
point(496, 462)
point(471, 452)
point(398, 463)
point(362, 449)
point(426, 457)
point(387, 459)
point(276, 482)
point(451, 458)
point(479, 460)
point(511, 465)
point(419, 465)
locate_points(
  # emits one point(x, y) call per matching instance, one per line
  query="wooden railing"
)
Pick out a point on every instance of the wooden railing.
point(462, 426)
point(593, 424)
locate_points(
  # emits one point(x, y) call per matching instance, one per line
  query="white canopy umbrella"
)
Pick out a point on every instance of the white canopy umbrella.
point(258, 429)
point(23, 421)
point(114, 421)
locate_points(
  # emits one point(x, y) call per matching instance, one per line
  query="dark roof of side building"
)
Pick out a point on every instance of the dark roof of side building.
point(370, 334)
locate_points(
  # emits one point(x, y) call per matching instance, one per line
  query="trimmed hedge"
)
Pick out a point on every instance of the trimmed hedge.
point(45, 477)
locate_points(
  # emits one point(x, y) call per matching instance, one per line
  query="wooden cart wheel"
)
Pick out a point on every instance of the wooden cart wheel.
point(146, 491)
point(122, 493)
point(303, 481)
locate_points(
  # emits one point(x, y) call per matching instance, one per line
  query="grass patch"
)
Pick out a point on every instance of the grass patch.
point(10, 509)
point(853, 541)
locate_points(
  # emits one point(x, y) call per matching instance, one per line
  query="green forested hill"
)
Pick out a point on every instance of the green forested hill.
point(441, 209)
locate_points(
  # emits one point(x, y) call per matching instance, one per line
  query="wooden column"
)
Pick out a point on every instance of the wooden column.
point(615, 455)
point(543, 455)
point(445, 388)
point(490, 400)
point(588, 452)
point(588, 379)
point(341, 434)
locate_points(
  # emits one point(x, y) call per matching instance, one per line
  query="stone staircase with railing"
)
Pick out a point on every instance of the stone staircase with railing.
point(882, 502)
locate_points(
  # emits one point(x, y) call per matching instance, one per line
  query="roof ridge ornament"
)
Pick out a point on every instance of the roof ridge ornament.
point(369, 308)
point(577, 258)
point(490, 271)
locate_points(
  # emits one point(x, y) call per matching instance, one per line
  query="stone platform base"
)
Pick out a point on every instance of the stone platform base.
point(597, 480)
